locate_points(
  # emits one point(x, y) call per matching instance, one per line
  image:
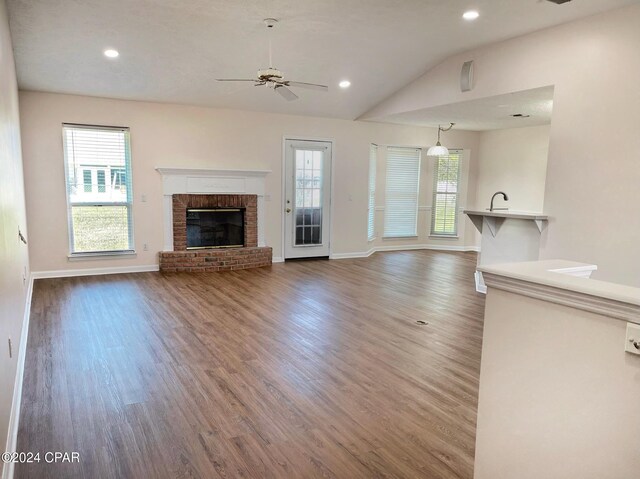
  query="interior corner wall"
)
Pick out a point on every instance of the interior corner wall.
point(172, 135)
point(513, 160)
point(591, 196)
point(14, 258)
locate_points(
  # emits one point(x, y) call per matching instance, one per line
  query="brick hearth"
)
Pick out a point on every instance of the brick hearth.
point(215, 259)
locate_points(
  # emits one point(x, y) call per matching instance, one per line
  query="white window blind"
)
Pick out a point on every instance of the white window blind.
point(99, 197)
point(371, 219)
point(444, 215)
point(401, 202)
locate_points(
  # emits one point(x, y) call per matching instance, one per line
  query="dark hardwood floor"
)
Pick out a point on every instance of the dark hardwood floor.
point(305, 369)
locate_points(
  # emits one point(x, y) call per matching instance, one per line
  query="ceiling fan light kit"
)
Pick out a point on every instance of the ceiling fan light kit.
point(273, 78)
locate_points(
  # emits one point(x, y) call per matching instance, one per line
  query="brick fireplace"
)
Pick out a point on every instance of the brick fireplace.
point(180, 258)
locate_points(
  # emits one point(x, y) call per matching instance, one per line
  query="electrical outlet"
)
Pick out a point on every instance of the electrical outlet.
point(145, 247)
point(143, 198)
point(632, 343)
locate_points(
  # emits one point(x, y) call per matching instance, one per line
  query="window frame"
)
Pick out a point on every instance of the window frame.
point(107, 175)
point(432, 232)
point(371, 207)
point(414, 233)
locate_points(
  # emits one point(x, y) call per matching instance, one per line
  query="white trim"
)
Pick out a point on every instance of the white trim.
point(14, 418)
point(277, 259)
point(480, 286)
point(420, 208)
point(363, 254)
point(101, 255)
point(444, 237)
point(433, 247)
point(366, 254)
point(407, 237)
point(65, 273)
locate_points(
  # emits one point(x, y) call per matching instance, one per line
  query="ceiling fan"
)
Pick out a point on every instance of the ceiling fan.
point(273, 78)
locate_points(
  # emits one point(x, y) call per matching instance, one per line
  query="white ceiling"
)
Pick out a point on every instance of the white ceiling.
point(171, 51)
point(490, 113)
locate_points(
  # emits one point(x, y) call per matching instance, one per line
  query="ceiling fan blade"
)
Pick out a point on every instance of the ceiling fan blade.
point(286, 93)
point(233, 79)
point(309, 86)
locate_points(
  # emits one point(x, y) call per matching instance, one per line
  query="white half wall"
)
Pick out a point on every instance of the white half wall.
point(558, 394)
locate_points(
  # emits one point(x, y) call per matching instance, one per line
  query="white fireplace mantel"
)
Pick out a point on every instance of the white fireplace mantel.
point(209, 181)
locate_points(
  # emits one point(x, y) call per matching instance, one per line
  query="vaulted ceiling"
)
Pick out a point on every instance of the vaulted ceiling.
point(172, 51)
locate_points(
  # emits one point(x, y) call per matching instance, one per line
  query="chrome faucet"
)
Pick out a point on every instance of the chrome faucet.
point(504, 195)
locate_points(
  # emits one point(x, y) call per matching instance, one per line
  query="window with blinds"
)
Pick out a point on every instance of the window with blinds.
point(444, 214)
point(99, 197)
point(401, 201)
point(371, 218)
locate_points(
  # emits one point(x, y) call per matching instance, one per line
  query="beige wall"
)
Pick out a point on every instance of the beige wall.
point(14, 261)
point(513, 161)
point(558, 394)
point(594, 64)
point(187, 136)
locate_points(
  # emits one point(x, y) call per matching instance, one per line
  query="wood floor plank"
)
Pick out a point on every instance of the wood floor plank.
point(298, 370)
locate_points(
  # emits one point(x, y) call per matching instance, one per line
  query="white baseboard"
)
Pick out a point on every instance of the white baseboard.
point(277, 259)
point(94, 271)
point(480, 286)
point(14, 419)
point(366, 254)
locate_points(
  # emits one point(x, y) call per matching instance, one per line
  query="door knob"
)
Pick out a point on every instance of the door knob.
point(288, 210)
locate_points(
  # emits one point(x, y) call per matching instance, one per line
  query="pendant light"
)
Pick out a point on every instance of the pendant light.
point(440, 150)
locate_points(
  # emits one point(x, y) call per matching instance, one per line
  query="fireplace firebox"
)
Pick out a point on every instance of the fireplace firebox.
point(215, 228)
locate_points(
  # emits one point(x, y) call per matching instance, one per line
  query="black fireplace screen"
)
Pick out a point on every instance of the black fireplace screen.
point(215, 228)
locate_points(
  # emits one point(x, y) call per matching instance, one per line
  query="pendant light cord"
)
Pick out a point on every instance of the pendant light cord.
point(270, 59)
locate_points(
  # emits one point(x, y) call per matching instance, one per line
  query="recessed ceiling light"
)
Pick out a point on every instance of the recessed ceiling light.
point(344, 84)
point(470, 15)
point(111, 53)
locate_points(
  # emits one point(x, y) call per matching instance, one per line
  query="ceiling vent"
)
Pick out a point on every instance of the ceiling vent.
point(559, 2)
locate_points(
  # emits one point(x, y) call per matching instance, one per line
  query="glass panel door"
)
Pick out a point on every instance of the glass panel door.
point(307, 202)
point(308, 195)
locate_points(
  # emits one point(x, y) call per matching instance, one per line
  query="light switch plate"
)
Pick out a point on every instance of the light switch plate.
point(632, 339)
